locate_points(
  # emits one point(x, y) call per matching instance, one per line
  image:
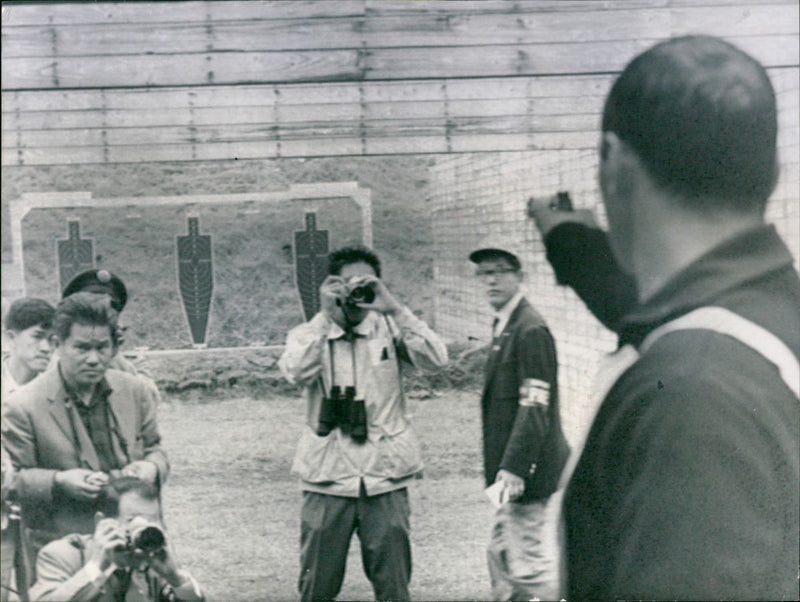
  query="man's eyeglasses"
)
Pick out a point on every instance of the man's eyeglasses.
point(486, 274)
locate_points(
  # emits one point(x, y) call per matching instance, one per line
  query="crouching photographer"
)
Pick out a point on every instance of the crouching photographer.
point(128, 557)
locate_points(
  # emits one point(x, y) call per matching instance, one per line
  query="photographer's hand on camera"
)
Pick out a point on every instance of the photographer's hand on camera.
point(110, 544)
point(384, 302)
point(332, 296)
point(163, 562)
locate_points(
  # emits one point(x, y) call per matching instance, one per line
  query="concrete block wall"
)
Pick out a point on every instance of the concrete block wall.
point(485, 195)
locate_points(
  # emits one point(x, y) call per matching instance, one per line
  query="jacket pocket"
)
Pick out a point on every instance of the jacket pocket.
point(321, 459)
point(396, 456)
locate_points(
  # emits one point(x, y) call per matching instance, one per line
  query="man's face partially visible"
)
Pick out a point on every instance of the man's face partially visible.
point(615, 187)
point(32, 347)
point(133, 508)
point(85, 354)
point(500, 279)
point(348, 272)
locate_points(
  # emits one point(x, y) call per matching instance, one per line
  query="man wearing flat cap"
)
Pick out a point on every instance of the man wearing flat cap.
point(103, 282)
point(524, 449)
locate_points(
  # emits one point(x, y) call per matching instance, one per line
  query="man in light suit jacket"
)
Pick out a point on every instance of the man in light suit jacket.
point(79, 424)
point(115, 563)
point(524, 449)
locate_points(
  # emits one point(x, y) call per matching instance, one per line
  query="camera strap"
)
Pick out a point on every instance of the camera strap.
point(352, 344)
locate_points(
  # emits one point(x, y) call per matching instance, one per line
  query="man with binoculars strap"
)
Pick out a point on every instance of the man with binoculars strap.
point(358, 452)
point(127, 558)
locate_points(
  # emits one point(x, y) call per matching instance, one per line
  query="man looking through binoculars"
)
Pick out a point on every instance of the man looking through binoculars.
point(127, 558)
point(359, 451)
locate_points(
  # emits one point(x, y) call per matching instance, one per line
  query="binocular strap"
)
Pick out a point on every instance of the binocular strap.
point(351, 341)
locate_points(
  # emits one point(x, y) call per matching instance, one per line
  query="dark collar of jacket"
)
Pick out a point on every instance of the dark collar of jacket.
point(524, 308)
point(730, 265)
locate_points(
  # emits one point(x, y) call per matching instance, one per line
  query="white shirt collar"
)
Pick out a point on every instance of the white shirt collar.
point(504, 313)
point(363, 328)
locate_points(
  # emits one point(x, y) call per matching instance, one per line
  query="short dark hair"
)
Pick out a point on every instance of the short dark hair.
point(701, 115)
point(355, 254)
point(27, 312)
point(107, 500)
point(90, 309)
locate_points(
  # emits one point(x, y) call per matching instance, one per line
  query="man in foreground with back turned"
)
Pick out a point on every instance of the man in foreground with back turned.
point(358, 452)
point(687, 487)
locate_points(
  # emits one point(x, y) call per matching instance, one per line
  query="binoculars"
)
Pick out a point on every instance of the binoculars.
point(345, 412)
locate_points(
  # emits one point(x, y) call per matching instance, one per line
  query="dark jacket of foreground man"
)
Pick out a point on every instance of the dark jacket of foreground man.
point(703, 436)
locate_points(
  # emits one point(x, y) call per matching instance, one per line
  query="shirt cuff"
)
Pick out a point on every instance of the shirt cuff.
point(405, 319)
point(93, 571)
point(189, 590)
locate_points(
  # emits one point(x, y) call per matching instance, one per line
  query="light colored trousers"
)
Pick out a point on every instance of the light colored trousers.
point(523, 552)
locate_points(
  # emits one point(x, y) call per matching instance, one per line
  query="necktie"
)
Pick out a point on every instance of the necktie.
point(96, 420)
point(494, 326)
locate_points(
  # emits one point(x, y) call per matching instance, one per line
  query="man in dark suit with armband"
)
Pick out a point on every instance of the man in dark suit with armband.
point(524, 449)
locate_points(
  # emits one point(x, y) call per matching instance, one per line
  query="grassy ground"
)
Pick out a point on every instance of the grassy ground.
point(233, 508)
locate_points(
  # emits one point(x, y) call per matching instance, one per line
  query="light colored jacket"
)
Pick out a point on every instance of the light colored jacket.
point(335, 464)
point(63, 572)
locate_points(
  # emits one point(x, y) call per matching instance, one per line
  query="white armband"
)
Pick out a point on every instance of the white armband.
point(534, 392)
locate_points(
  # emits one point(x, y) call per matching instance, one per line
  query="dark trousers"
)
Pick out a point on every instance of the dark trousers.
point(327, 525)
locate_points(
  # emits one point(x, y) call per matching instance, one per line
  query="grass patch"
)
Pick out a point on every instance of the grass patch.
point(233, 508)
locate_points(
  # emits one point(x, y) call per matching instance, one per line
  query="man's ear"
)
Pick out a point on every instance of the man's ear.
point(55, 341)
point(610, 146)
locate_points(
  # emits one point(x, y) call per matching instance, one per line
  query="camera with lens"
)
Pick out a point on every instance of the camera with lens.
point(344, 412)
point(361, 294)
point(148, 539)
